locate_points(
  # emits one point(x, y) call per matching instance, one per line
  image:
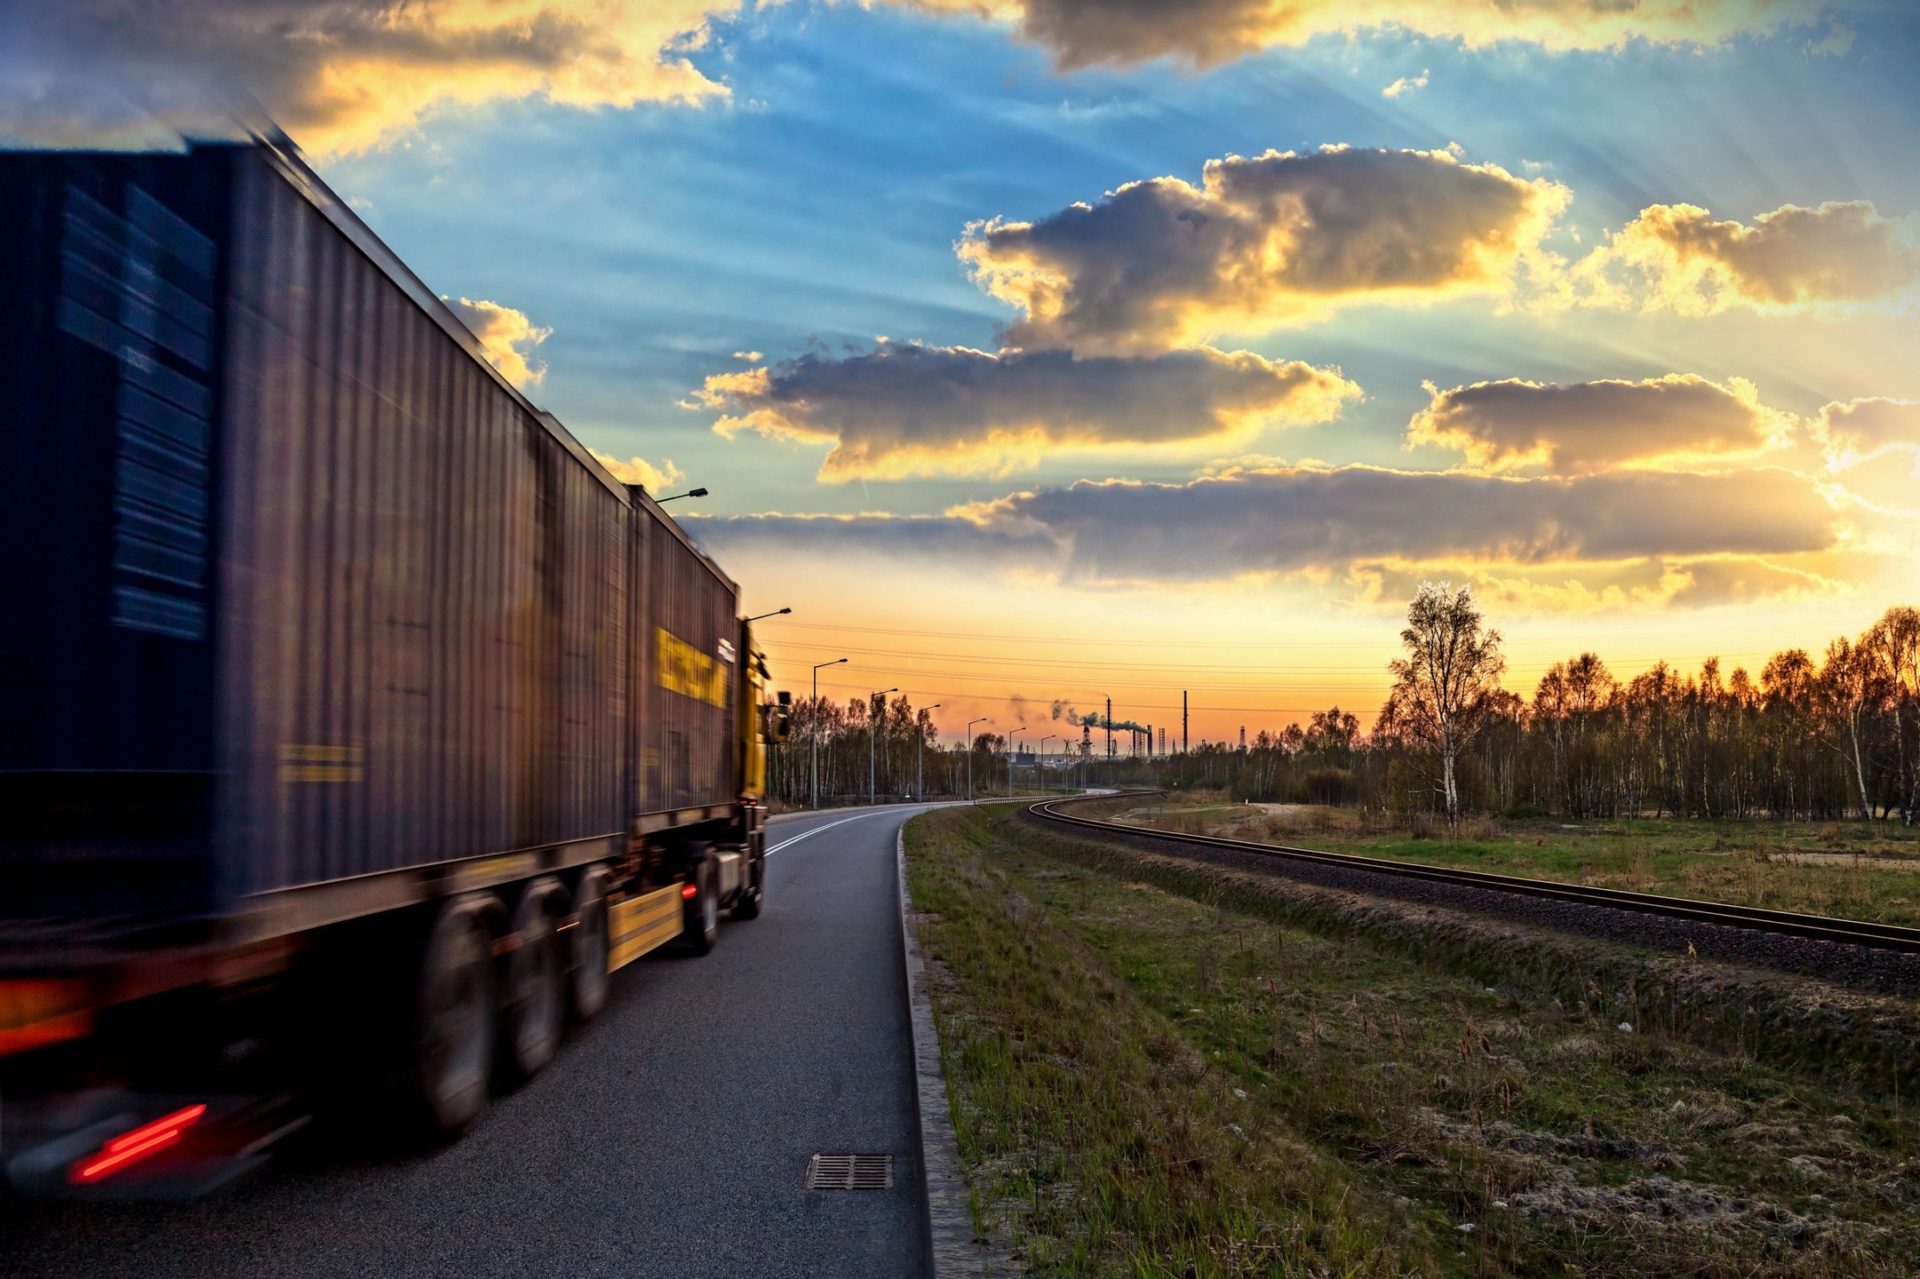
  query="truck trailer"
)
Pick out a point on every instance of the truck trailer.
point(358, 722)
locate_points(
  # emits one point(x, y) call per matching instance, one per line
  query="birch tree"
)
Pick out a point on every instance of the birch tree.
point(1443, 685)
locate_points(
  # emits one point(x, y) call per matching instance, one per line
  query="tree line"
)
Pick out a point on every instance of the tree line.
point(1809, 737)
point(888, 749)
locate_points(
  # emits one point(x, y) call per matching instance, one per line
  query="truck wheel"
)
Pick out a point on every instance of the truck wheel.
point(533, 996)
point(754, 897)
point(589, 982)
point(702, 928)
point(453, 1023)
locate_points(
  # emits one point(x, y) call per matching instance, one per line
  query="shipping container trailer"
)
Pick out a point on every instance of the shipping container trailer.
point(328, 658)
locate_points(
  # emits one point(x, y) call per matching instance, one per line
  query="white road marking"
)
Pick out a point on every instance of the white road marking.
point(871, 812)
point(817, 829)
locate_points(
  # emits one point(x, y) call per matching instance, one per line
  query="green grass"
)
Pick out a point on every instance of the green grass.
point(1854, 870)
point(1146, 1083)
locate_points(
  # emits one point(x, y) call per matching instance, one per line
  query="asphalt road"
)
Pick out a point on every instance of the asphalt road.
point(670, 1137)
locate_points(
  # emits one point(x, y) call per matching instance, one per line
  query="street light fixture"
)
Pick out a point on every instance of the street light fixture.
point(920, 751)
point(1010, 736)
point(813, 796)
point(984, 719)
point(881, 693)
point(662, 501)
point(778, 612)
point(1050, 737)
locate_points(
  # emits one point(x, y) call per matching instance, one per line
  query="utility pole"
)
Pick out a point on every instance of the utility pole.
point(1109, 730)
point(1183, 721)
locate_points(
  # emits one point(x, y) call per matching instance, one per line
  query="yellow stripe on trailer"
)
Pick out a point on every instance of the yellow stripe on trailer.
point(640, 924)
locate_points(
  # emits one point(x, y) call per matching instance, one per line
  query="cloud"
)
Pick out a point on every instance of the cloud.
point(905, 409)
point(508, 335)
point(1405, 85)
point(1868, 426)
point(637, 470)
point(340, 75)
point(1872, 449)
point(1739, 580)
point(1677, 257)
point(922, 539)
point(1626, 539)
point(1596, 426)
point(1206, 33)
point(1280, 238)
point(1558, 591)
point(1264, 522)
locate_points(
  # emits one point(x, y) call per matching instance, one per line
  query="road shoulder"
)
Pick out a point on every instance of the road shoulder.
point(956, 1248)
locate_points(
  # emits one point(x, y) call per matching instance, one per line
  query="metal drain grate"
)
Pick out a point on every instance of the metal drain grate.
point(850, 1172)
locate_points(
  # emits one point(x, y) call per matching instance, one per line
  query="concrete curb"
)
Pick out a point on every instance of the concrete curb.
point(956, 1252)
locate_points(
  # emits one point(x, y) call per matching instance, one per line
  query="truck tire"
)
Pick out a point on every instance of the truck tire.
point(533, 985)
point(702, 925)
point(753, 898)
point(452, 1039)
point(588, 981)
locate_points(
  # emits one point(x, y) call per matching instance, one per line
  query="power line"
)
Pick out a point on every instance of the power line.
point(996, 678)
point(1130, 706)
point(1726, 660)
point(1082, 640)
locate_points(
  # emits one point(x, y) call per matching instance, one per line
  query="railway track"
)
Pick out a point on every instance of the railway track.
point(1849, 932)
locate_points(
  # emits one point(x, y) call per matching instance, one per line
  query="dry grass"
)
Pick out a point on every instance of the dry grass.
point(1155, 1082)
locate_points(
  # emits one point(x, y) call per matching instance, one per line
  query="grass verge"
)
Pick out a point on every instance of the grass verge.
point(1156, 1082)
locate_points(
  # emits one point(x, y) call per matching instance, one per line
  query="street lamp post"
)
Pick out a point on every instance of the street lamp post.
point(920, 752)
point(813, 795)
point(778, 612)
point(881, 693)
point(1010, 736)
point(969, 747)
point(1050, 737)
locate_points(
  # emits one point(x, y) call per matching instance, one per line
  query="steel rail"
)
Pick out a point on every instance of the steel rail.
point(1849, 932)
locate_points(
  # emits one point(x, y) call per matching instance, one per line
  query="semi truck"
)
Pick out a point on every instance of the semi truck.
point(358, 723)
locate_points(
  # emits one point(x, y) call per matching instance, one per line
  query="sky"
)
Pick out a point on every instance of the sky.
point(1044, 351)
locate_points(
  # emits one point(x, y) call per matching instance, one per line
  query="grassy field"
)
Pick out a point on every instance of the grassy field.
point(1149, 1084)
point(1848, 869)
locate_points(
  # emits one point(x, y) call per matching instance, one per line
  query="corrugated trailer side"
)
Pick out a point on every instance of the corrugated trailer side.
point(301, 591)
point(426, 583)
point(687, 675)
point(110, 368)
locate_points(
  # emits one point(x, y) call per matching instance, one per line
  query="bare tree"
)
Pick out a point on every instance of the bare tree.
point(1847, 691)
point(1892, 647)
point(1442, 686)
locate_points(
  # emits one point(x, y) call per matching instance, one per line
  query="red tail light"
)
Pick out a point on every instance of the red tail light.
point(136, 1144)
point(690, 890)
